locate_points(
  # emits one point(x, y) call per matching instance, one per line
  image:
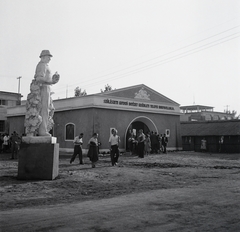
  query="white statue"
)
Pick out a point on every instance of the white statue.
point(39, 107)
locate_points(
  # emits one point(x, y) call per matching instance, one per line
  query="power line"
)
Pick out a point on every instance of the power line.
point(176, 57)
point(147, 61)
point(167, 60)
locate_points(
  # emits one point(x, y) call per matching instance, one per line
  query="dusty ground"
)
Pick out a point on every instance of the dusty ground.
point(170, 172)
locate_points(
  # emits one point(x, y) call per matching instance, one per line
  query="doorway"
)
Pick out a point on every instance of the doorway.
point(135, 125)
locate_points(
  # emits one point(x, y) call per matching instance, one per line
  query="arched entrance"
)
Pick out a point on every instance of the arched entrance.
point(141, 122)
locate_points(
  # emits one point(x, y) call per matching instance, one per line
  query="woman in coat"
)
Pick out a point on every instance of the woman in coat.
point(93, 149)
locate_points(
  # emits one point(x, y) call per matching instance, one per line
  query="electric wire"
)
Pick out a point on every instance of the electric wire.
point(164, 61)
point(181, 48)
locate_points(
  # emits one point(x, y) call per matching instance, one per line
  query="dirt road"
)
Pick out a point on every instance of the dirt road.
point(180, 191)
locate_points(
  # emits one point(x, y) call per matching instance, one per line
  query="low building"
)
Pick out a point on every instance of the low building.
point(132, 108)
point(7, 99)
point(203, 113)
point(221, 136)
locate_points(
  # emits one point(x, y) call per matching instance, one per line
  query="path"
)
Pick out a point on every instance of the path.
point(205, 207)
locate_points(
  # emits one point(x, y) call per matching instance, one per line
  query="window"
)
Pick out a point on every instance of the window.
point(3, 102)
point(167, 132)
point(69, 131)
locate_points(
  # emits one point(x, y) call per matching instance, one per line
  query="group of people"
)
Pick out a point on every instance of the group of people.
point(93, 148)
point(10, 143)
point(158, 142)
point(142, 144)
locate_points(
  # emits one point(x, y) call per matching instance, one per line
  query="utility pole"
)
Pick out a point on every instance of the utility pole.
point(19, 84)
point(227, 108)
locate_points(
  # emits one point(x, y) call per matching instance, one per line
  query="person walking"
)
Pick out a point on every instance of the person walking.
point(78, 142)
point(160, 143)
point(221, 140)
point(154, 142)
point(6, 144)
point(164, 143)
point(114, 141)
point(132, 143)
point(147, 144)
point(203, 145)
point(141, 139)
point(15, 141)
point(93, 149)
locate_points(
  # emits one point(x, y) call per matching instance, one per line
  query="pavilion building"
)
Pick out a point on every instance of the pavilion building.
point(132, 108)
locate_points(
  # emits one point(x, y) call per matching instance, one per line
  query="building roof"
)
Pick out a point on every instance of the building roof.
point(139, 98)
point(139, 92)
point(10, 93)
point(210, 128)
point(196, 107)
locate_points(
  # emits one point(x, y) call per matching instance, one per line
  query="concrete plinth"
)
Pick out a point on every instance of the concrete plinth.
point(38, 161)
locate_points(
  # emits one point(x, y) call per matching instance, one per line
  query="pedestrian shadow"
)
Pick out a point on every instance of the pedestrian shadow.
point(87, 166)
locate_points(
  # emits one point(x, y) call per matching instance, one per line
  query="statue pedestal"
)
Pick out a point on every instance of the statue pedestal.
point(38, 158)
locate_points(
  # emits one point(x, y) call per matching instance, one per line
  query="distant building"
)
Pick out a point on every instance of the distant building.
point(221, 136)
point(7, 99)
point(203, 113)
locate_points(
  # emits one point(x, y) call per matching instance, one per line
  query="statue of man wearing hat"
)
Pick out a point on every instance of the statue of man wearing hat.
point(39, 107)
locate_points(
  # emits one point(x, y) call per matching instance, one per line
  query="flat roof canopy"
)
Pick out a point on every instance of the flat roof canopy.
point(196, 107)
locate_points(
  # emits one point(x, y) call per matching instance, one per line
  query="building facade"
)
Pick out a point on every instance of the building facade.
point(221, 136)
point(131, 108)
point(7, 99)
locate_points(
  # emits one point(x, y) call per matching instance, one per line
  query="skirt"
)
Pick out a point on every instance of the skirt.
point(93, 153)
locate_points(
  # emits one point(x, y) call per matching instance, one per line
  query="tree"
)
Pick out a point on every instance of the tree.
point(79, 93)
point(232, 114)
point(107, 88)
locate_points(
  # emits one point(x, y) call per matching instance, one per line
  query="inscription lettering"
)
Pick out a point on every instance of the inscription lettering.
point(135, 104)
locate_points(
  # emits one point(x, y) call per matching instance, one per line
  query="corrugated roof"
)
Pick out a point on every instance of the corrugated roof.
point(209, 128)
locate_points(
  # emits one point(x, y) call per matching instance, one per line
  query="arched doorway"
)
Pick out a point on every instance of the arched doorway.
point(141, 122)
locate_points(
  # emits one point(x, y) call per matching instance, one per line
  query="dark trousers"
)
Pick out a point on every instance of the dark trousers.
point(164, 148)
point(141, 150)
point(155, 147)
point(14, 150)
point(114, 154)
point(77, 151)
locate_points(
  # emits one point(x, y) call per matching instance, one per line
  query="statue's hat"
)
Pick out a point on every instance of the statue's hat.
point(45, 53)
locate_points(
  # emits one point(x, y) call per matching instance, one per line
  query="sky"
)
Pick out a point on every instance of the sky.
point(187, 50)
